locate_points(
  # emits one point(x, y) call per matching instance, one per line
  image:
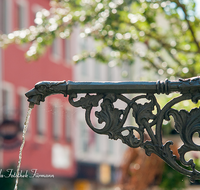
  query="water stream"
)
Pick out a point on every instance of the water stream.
point(22, 145)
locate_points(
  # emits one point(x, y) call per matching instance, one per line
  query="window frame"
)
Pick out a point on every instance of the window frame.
point(68, 51)
point(9, 88)
point(41, 119)
point(6, 22)
point(25, 18)
point(56, 47)
point(56, 120)
point(68, 123)
point(22, 106)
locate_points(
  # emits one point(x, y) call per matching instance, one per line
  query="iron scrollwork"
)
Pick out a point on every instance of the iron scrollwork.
point(149, 116)
point(186, 124)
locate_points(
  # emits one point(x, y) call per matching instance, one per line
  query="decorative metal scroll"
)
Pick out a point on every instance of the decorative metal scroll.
point(186, 124)
point(146, 115)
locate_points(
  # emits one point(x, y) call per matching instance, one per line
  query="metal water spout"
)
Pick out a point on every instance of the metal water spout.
point(186, 123)
point(45, 88)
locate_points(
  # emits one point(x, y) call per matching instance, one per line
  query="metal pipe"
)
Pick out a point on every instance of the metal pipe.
point(46, 88)
point(186, 123)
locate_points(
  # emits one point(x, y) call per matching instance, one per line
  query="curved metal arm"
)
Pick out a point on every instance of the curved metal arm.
point(186, 123)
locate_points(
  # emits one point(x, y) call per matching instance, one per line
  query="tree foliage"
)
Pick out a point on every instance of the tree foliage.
point(167, 29)
point(164, 34)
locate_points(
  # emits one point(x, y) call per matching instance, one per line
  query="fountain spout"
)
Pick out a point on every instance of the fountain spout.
point(44, 89)
point(147, 115)
point(47, 88)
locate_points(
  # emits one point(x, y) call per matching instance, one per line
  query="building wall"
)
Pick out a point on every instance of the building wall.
point(42, 152)
point(1, 69)
point(93, 150)
point(1, 76)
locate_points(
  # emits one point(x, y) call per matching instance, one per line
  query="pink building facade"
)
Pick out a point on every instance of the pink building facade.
point(49, 142)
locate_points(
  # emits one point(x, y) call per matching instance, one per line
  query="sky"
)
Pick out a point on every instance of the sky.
point(198, 7)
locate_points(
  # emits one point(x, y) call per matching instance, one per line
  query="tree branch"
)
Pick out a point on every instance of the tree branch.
point(182, 6)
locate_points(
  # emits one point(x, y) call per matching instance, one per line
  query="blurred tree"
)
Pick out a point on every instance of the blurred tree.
point(162, 33)
point(172, 179)
point(141, 172)
point(168, 29)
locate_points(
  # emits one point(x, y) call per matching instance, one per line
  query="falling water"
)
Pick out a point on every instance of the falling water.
point(23, 142)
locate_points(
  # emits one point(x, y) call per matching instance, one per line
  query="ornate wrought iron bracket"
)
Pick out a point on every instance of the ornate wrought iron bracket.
point(186, 123)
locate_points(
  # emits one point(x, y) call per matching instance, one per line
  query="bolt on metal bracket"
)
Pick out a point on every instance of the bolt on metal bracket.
point(186, 123)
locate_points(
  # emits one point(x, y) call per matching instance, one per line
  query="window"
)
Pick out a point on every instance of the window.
point(5, 95)
point(109, 73)
point(97, 138)
point(40, 118)
point(56, 121)
point(91, 138)
point(57, 48)
point(83, 44)
point(36, 10)
point(68, 119)
point(1, 106)
point(97, 142)
point(110, 146)
point(97, 71)
point(84, 68)
point(61, 156)
point(83, 137)
point(22, 14)
point(5, 16)
point(67, 50)
point(7, 102)
point(23, 105)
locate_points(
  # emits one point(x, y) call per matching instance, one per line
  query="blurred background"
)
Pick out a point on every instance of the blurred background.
point(85, 40)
